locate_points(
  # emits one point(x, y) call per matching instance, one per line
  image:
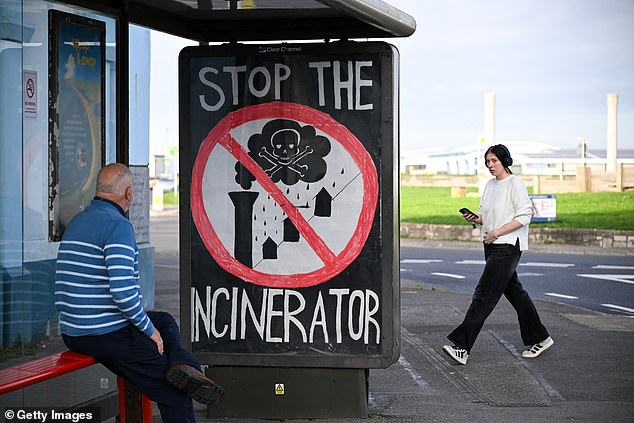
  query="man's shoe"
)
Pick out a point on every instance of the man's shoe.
point(536, 349)
point(459, 354)
point(195, 383)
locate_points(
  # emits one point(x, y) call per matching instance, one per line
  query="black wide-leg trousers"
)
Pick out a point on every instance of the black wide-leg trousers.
point(499, 277)
point(131, 354)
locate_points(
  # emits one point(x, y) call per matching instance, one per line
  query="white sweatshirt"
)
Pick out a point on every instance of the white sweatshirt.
point(502, 202)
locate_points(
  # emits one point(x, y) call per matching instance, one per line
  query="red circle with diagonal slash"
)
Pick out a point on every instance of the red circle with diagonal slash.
point(219, 137)
point(30, 88)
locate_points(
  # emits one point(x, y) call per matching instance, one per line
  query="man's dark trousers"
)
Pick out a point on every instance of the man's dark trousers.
point(129, 353)
point(499, 277)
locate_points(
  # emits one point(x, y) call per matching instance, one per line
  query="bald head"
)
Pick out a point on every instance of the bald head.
point(114, 182)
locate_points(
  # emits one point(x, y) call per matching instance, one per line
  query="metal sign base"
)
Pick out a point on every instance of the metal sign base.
point(290, 392)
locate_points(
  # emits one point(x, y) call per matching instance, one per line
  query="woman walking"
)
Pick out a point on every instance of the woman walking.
point(505, 212)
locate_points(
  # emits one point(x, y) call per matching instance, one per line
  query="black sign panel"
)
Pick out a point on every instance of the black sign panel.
point(289, 213)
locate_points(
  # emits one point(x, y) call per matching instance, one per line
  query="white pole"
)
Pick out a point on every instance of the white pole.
point(489, 138)
point(613, 100)
point(489, 119)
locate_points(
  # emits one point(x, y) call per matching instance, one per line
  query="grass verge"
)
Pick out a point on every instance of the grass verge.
point(591, 210)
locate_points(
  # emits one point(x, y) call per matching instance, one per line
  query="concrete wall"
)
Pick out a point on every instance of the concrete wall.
point(595, 238)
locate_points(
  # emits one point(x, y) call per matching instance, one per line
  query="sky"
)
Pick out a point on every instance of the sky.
point(550, 63)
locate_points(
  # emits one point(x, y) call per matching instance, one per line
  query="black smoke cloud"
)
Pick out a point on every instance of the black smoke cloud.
point(287, 152)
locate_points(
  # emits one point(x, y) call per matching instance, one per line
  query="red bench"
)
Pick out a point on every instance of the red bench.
point(133, 404)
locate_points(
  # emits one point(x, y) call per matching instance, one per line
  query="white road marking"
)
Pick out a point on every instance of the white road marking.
point(567, 297)
point(424, 386)
point(538, 264)
point(612, 267)
point(528, 264)
point(618, 307)
point(449, 275)
point(530, 274)
point(614, 278)
point(420, 261)
point(406, 270)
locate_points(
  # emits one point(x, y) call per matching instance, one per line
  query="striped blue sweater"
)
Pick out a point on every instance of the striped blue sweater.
point(96, 282)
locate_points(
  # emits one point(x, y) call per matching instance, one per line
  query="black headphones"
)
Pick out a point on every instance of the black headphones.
point(507, 161)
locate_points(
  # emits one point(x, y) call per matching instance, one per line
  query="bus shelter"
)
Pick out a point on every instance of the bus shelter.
point(289, 181)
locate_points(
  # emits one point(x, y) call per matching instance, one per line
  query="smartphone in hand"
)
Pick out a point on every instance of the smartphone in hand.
point(467, 214)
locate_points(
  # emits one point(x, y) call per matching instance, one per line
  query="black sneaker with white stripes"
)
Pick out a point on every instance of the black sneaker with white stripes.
point(460, 355)
point(536, 349)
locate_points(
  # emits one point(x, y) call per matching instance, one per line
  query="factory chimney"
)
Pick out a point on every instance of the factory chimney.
point(489, 118)
point(613, 100)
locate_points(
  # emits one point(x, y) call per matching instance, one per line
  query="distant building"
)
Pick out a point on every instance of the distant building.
point(529, 159)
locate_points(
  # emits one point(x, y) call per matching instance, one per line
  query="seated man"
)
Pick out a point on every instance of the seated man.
point(101, 311)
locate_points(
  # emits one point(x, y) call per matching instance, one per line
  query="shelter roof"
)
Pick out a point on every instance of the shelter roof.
point(264, 20)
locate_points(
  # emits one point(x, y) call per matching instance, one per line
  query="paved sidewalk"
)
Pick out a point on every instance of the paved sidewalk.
point(587, 376)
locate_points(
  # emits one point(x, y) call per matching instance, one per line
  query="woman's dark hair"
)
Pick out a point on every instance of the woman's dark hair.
point(503, 154)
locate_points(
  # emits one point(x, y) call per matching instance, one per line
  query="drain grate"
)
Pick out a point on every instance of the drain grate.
point(519, 404)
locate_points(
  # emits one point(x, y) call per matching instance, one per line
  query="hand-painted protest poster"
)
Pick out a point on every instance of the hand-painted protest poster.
point(289, 217)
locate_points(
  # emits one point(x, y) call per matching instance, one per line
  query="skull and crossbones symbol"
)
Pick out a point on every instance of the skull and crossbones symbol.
point(285, 152)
